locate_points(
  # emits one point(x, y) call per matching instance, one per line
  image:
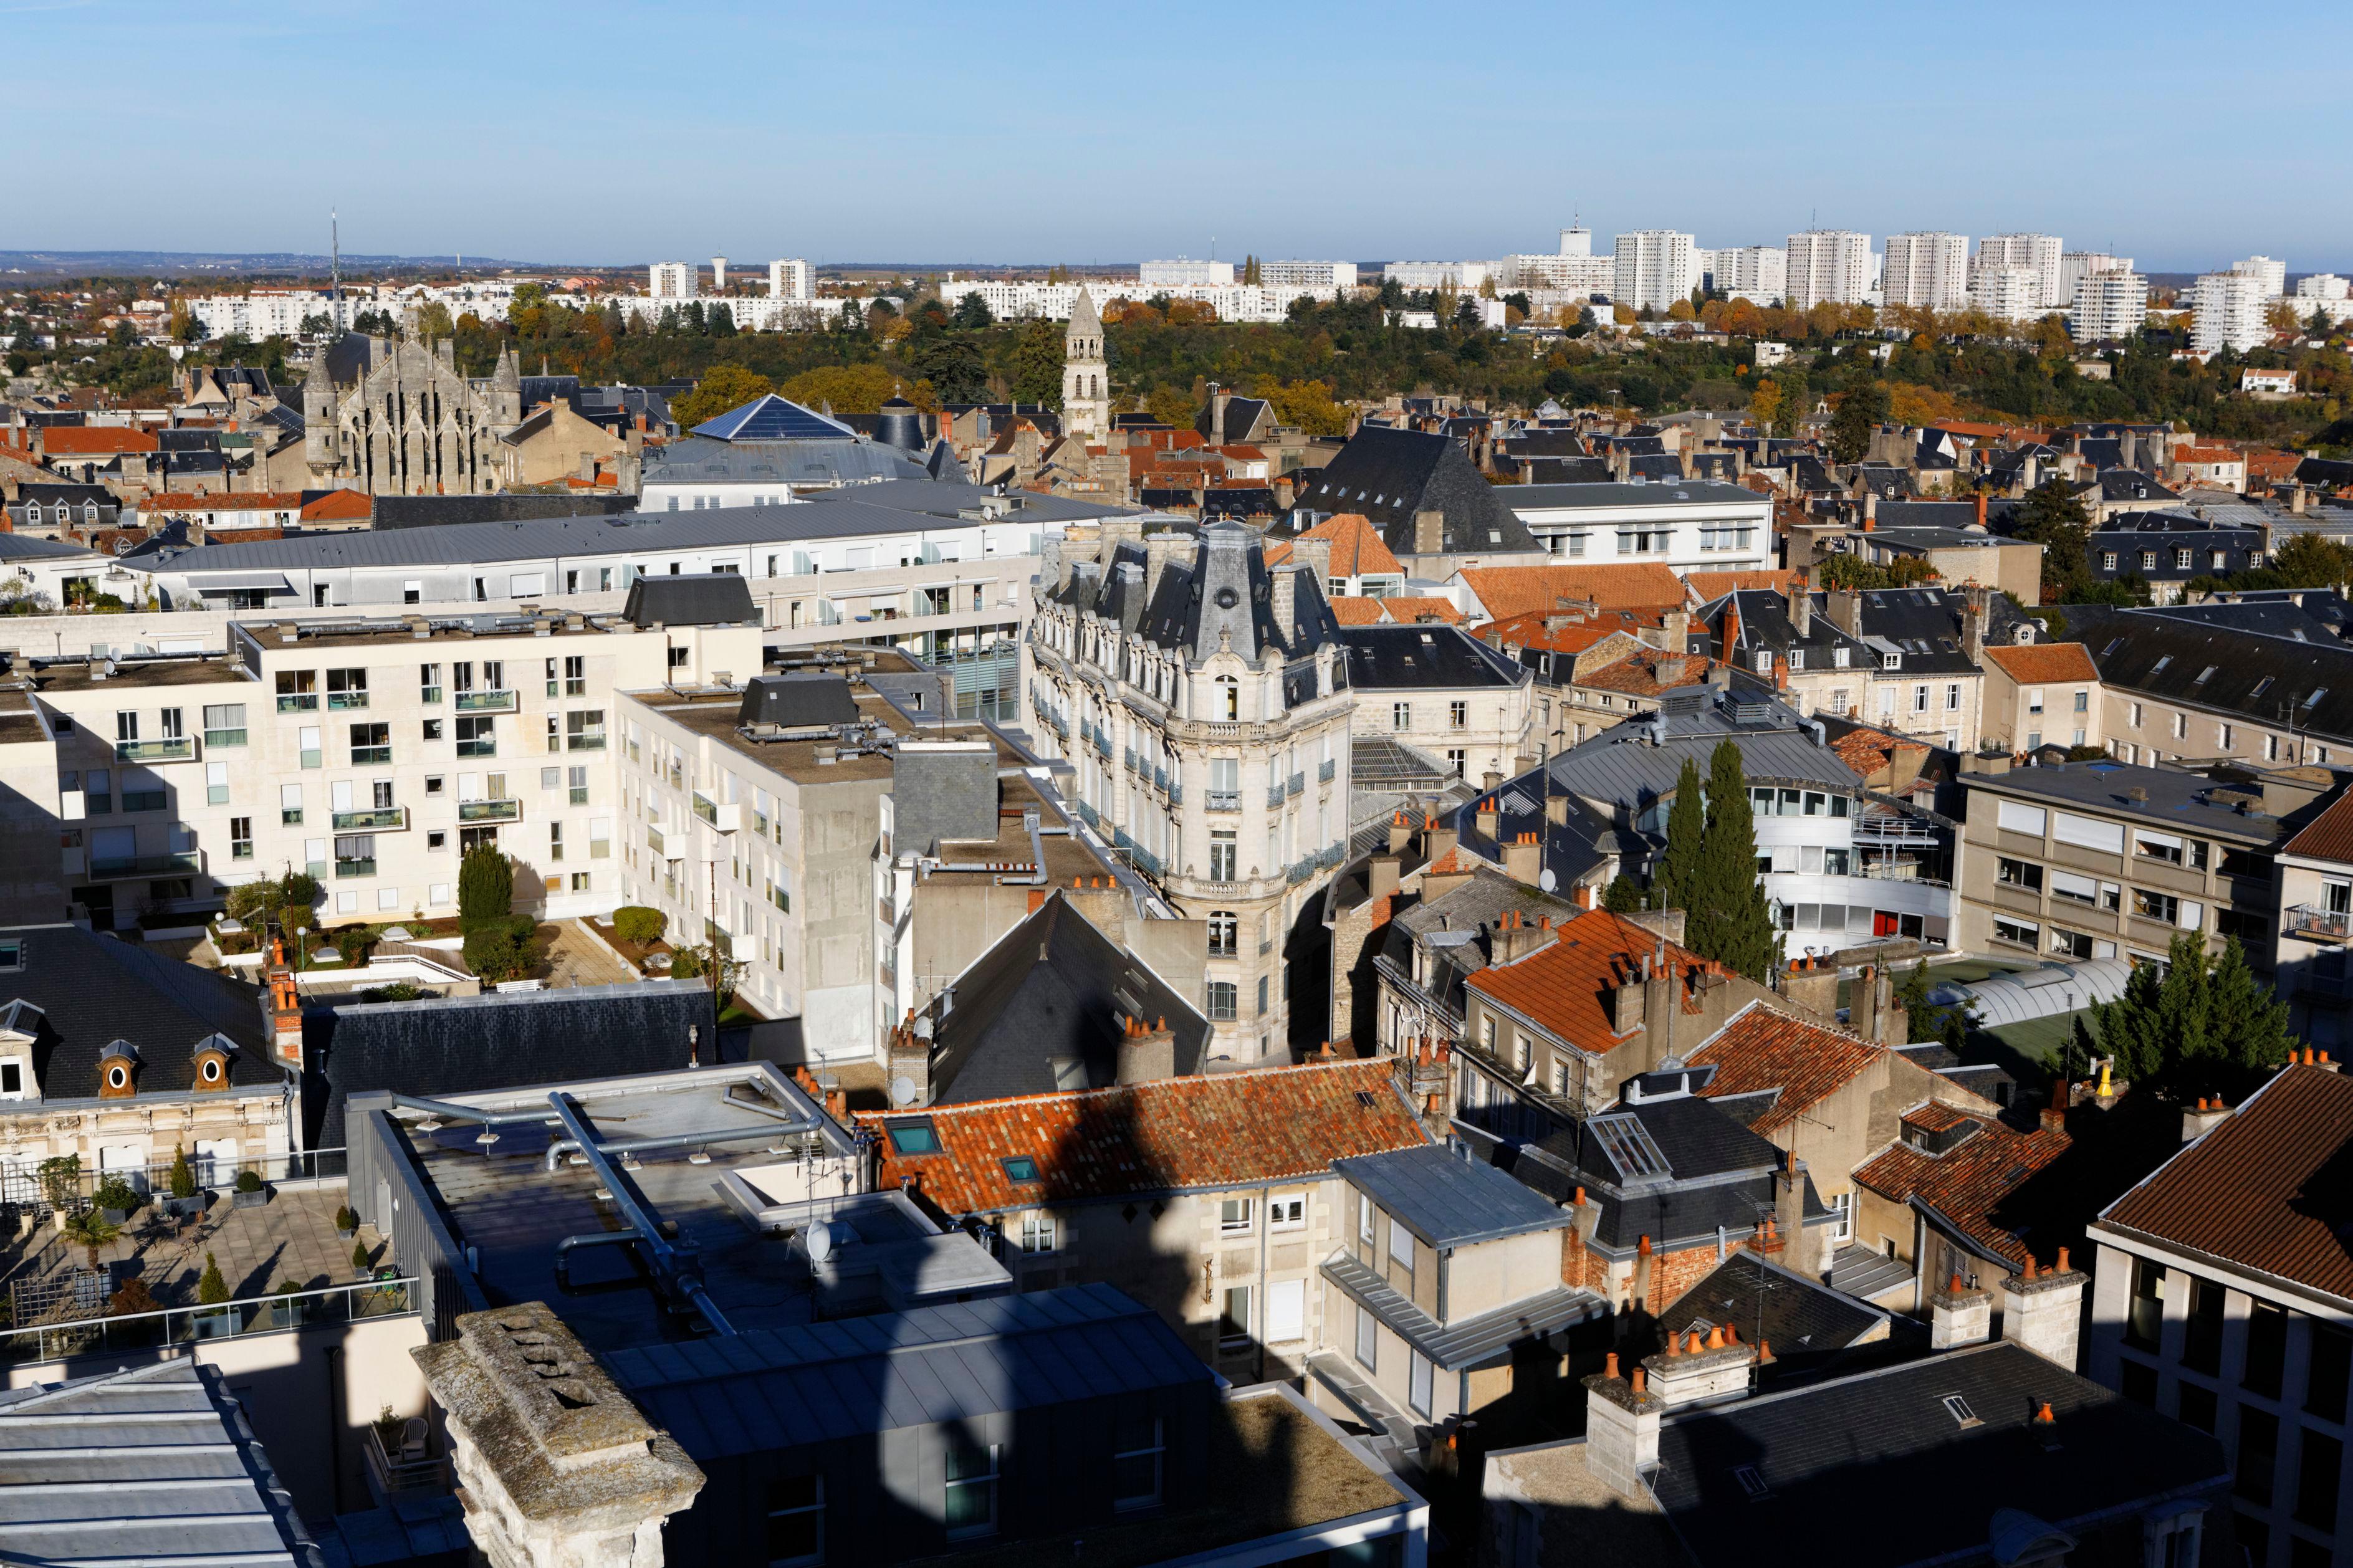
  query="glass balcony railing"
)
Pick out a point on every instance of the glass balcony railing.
point(486, 701)
point(224, 738)
point(371, 756)
point(486, 746)
point(342, 699)
point(180, 863)
point(584, 741)
point(298, 702)
point(378, 820)
point(365, 867)
point(173, 748)
point(490, 811)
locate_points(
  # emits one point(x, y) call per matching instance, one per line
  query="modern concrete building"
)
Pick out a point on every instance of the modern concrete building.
point(1759, 273)
point(2036, 253)
point(2226, 311)
point(1655, 268)
point(1829, 266)
point(1926, 271)
point(2007, 293)
point(2109, 305)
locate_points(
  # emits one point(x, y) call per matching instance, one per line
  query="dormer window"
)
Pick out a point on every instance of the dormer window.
point(118, 1070)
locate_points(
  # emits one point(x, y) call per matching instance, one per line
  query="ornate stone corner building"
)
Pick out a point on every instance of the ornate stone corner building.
point(397, 418)
point(1201, 699)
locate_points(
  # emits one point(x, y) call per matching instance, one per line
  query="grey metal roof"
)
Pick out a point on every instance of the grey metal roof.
point(28, 547)
point(707, 599)
point(1857, 1271)
point(852, 1377)
point(1620, 765)
point(870, 509)
point(2174, 800)
point(1447, 1200)
point(1525, 499)
point(1452, 1346)
point(156, 1465)
point(845, 457)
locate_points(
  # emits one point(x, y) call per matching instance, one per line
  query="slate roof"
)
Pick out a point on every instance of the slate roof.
point(464, 1045)
point(1226, 590)
point(1801, 1063)
point(2255, 672)
point(1800, 1317)
point(1465, 1342)
point(1222, 1130)
point(1410, 658)
point(1669, 489)
point(1621, 766)
point(1720, 1176)
point(2173, 800)
point(1388, 474)
point(801, 700)
point(1053, 988)
point(1969, 1183)
point(1447, 1200)
point(94, 990)
point(1865, 1450)
point(770, 1389)
point(156, 1464)
point(844, 457)
point(1456, 930)
point(712, 599)
point(2269, 1190)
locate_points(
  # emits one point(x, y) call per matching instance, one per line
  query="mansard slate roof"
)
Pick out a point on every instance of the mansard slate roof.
point(1225, 593)
point(91, 991)
point(1413, 657)
point(2265, 1191)
point(1388, 474)
point(1222, 1129)
point(2254, 673)
point(1800, 1317)
point(713, 599)
point(1719, 1174)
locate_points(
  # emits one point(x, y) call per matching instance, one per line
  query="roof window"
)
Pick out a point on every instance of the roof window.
point(12, 956)
point(1959, 1409)
point(913, 1137)
point(1019, 1168)
point(2205, 675)
point(2317, 693)
point(2159, 668)
point(2261, 687)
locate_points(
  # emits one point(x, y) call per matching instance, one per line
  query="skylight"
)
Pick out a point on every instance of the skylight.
point(1959, 1409)
point(1019, 1168)
point(1630, 1146)
point(2205, 675)
point(2261, 687)
point(2160, 664)
point(915, 1137)
point(2317, 693)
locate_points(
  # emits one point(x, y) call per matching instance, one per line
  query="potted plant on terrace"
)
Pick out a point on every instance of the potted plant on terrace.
point(116, 1198)
point(251, 1194)
point(347, 1224)
point(186, 1198)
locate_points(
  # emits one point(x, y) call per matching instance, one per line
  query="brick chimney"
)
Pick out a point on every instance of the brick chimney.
point(1621, 1430)
point(1146, 1055)
point(1960, 1315)
point(285, 1009)
point(1524, 859)
point(2044, 1310)
point(910, 1058)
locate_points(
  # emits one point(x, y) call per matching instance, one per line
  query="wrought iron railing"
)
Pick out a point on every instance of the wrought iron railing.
point(2315, 924)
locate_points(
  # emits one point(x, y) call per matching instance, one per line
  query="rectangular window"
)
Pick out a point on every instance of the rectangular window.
point(298, 690)
point(1222, 854)
point(241, 838)
point(347, 688)
point(971, 1499)
point(224, 724)
point(2324, 1385)
point(2201, 1342)
point(2258, 1453)
point(1234, 1215)
point(1368, 1339)
point(578, 785)
point(2156, 906)
point(1286, 1312)
point(2013, 816)
point(2022, 874)
point(476, 736)
point(290, 805)
point(1365, 1212)
point(584, 731)
point(1418, 1385)
point(1400, 1245)
point(1288, 1212)
point(1136, 1451)
point(575, 676)
point(1401, 715)
point(1458, 715)
point(2145, 1313)
point(2018, 933)
point(1225, 1001)
point(1234, 1320)
point(371, 746)
point(2316, 1483)
point(1036, 1232)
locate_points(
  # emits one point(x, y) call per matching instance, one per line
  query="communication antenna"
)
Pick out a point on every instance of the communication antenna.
point(335, 264)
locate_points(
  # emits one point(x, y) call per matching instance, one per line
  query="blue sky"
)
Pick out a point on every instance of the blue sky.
point(2181, 136)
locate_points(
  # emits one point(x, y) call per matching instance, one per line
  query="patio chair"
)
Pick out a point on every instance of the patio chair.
point(412, 1440)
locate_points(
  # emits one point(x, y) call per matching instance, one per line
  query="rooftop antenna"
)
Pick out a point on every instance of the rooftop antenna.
point(335, 265)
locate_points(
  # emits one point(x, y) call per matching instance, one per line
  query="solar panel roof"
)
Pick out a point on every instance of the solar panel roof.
point(773, 418)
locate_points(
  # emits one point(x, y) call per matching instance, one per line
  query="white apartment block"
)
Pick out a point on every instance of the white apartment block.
point(1758, 273)
point(2039, 251)
point(1829, 266)
point(371, 753)
point(1697, 525)
point(670, 281)
point(1329, 278)
point(1655, 268)
point(2007, 293)
point(2109, 305)
point(1571, 277)
point(1465, 277)
point(2074, 266)
point(1032, 301)
point(2226, 310)
point(2322, 286)
point(1184, 272)
point(2271, 272)
point(264, 313)
point(1926, 271)
point(791, 278)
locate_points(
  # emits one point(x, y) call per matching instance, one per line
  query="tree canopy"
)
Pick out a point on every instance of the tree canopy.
point(2197, 1024)
point(723, 387)
point(1728, 917)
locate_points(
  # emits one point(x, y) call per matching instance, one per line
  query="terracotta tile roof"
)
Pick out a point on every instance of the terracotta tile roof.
point(338, 504)
point(2207, 454)
point(2330, 836)
point(1866, 751)
point(20, 454)
point(1560, 985)
point(2265, 1190)
point(1709, 587)
point(96, 440)
point(1411, 608)
point(2272, 463)
point(1527, 629)
point(1968, 1183)
point(1352, 610)
point(2039, 663)
point(1516, 590)
point(1217, 1130)
point(1936, 1116)
point(1357, 548)
point(1647, 674)
point(227, 500)
point(1278, 551)
point(1244, 451)
point(1761, 1049)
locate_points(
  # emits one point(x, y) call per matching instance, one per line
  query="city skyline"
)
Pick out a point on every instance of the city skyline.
point(826, 137)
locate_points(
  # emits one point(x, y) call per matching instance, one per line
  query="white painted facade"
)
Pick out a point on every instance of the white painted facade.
point(1655, 268)
point(2039, 252)
point(1829, 266)
point(1698, 526)
point(1928, 270)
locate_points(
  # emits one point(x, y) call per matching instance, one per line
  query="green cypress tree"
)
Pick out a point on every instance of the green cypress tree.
point(485, 888)
point(2247, 1019)
point(1676, 886)
point(1729, 920)
point(1622, 896)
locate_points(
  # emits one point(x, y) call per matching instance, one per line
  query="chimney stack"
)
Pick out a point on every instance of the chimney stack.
point(1146, 1055)
point(1524, 859)
point(2207, 1115)
point(1699, 1370)
point(1960, 1315)
point(285, 1010)
point(1621, 1430)
point(2043, 1310)
point(1429, 532)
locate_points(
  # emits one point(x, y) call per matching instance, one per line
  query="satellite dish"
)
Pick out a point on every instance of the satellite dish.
point(820, 1241)
point(1547, 881)
point(903, 1090)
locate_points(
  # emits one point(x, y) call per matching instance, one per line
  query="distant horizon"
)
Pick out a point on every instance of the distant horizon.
point(1063, 133)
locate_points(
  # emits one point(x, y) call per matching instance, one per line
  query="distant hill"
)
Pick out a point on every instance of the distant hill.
point(54, 264)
